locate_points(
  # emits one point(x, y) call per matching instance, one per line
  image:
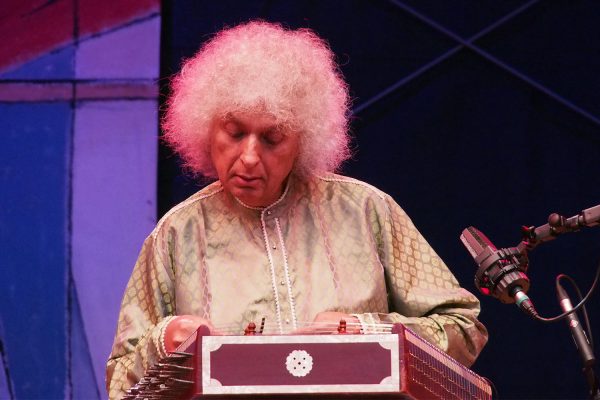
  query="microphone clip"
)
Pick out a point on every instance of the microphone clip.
point(501, 272)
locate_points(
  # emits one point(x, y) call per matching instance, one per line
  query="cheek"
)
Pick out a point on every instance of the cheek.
point(219, 156)
point(293, 154)
point(286, 163)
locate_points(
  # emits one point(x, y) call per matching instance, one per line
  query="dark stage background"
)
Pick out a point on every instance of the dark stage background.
point(481, 113)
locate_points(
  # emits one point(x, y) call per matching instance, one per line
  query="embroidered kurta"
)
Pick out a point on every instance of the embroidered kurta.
point(329, 243)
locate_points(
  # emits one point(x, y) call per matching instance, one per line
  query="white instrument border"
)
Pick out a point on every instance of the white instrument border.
point(389, 384)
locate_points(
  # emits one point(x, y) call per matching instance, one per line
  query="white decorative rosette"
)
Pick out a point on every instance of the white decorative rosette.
point(299, 363)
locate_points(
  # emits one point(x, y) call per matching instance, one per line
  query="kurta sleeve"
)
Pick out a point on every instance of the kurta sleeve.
point(422, 292)
point(146, 309)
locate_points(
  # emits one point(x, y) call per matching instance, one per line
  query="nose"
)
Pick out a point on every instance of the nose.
point(250, 152)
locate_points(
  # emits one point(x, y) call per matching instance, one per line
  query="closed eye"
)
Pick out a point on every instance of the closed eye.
point(237, 134)
point(234, 130)
point(273, 137)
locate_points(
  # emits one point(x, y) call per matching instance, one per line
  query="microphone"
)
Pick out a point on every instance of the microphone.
point(579, 336)
point(500, 273)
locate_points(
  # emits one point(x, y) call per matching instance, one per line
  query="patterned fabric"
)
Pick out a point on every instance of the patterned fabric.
point(328, 244)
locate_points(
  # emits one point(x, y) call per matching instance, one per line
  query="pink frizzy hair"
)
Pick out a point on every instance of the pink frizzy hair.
point(261, 67)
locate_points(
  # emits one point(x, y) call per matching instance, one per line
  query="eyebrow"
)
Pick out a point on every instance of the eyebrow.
point(277, 127)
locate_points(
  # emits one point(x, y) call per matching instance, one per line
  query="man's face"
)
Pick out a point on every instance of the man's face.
point(253, 157)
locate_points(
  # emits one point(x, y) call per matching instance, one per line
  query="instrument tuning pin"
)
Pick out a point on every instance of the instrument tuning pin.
point(342, 326)
point(250, 329)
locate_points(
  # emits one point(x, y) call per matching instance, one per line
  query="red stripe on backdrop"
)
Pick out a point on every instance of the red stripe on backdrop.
point(99, 91)
point(23, 92)
point(40, 92)
point(95, 16)
point(32, 28)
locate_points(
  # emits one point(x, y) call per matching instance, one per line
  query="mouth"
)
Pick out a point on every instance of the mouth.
point(244, 180)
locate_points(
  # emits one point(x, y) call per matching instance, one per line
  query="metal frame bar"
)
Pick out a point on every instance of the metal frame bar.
point(468, 43)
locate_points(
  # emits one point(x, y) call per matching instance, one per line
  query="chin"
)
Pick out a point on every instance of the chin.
point(247, 198)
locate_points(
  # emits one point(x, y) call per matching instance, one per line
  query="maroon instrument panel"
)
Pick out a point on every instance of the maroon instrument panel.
point(399, 365)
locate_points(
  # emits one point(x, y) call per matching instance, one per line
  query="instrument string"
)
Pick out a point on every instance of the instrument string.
point(306, 327)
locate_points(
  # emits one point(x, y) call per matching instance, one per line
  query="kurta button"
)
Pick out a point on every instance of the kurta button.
point(274, 247)
point(287, 321)
point(282, 283)
point(268, 212)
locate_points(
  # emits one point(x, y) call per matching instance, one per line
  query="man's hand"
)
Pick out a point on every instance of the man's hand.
point(327, 322)
point(180, 328)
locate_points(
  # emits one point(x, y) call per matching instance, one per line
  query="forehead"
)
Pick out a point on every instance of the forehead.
point(254, 121)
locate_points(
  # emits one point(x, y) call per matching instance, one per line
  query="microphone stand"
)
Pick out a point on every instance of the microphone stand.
point(502, 274)
point(557, 224)
point(592, 381)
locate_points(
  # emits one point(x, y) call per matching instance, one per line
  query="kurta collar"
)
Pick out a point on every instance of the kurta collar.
point(275, 207)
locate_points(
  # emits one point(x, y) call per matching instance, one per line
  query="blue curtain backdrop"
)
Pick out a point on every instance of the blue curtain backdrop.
point(479, 113)
point(79, 126)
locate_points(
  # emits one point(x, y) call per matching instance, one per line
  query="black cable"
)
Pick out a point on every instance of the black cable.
point(578, 306)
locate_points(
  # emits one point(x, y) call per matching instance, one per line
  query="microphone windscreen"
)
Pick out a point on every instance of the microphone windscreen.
point(475, 241)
